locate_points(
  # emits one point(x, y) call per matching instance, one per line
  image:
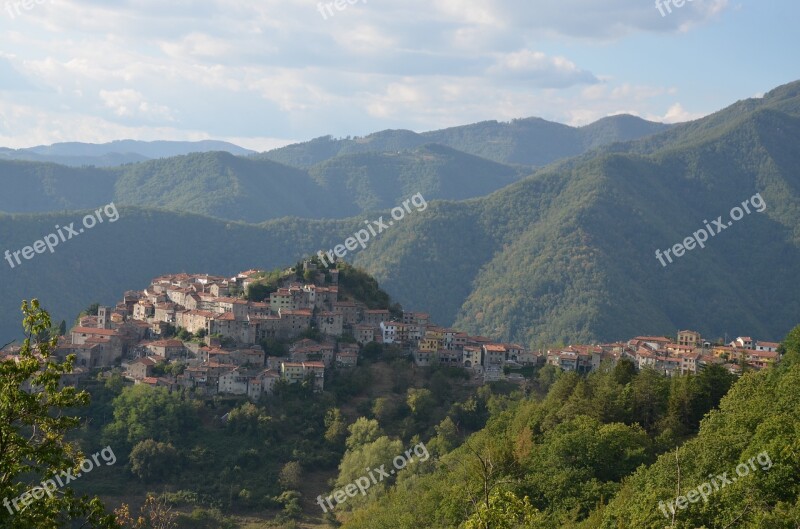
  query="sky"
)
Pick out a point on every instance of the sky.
point(265, 73)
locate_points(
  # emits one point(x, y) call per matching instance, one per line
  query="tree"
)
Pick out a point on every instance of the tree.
point(62, 328)
point(363, 431)
point(505, 510)
point(335, 426)
point(153, 461)
point(420, 401)
point(384, 409)
point(154, 514)
point(34, 422)
point(142, 412)
point(291, 475)
point(370, 455)
point(624, 371)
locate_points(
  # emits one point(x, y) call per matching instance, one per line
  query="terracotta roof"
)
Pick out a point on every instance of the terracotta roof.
point(91, 330)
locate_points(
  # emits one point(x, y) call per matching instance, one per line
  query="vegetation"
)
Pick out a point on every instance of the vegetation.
point(601, 452)
point(33, 435)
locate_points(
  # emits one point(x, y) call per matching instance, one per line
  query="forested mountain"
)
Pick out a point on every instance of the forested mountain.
point(221, 185)
point(569, 253)
point(116, 152)
point(532, 141)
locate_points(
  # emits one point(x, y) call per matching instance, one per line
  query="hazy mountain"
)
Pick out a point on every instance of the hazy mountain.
point(236, 188)
point(116, 152)
point(532, 141)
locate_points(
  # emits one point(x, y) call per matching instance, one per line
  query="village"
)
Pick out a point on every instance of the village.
point(224, 355)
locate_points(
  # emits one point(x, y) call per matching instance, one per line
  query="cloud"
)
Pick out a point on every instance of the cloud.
point(541, 70)
point(277, 68)
point(129, 103)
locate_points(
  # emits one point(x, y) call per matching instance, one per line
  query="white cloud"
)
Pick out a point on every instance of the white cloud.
point(129, 103)
point(275, 68)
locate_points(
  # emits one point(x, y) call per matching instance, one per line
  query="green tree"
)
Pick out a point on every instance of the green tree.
point(142, 412)
point(291, 475)
point(153, 461)
point(420, 402)
point(505, 510)
point(335, 426)
point(362, 432)
point(34, 423)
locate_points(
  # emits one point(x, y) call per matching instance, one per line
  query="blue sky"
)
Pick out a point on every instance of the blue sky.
point(263, 73)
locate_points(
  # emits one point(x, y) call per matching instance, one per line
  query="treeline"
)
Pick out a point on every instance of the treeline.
point(602, 452)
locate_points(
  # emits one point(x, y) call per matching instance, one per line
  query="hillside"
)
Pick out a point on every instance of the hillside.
point(569, 254)
point(605, 452)
point(531, 142)
point(115, 153)
point(221, 185)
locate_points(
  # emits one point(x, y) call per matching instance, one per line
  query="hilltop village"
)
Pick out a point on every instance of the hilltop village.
point(201, 333)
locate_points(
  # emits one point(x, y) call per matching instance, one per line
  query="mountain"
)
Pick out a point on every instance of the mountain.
point(529, 142)
point(117, 152)
point(566, 254)
point(221, 185)
point(569, 253)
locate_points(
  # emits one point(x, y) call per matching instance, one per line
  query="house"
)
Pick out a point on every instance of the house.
point(168, 349)
point(141, 368)
point(330, 323)
point(690, 338)
point(494, 354)
point(346, 359)
point(293, 372)
point(348, 310)
point(425, 358)
point(449, 358)
point(311, 351)
point(655, 342)
point(743, 342)
point(472, 356)
point(419, 318)
point(762, 359)
point(374, 318)
point(767, 346)
point(389, 331)
point(235, 382)
point(365, 332)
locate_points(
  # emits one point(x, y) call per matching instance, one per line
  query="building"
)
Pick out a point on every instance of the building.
point(293, 372)
point(690, 338)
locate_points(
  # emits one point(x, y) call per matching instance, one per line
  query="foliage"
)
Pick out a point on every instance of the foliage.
point(153, 461)
point(34, 424)
point(142, 412)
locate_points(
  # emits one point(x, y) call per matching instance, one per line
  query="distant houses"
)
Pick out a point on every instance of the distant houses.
point(131, 335)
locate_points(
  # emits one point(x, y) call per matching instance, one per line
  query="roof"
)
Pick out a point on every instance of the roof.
point(146, 361)
point(167, 343)
point(92, 330)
